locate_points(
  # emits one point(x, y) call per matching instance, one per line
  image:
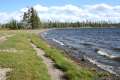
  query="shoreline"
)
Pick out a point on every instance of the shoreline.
point(81, 62)
point(83, 28)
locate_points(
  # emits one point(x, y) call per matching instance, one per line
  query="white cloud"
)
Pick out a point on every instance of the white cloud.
point(41, 9)
point(99, 7)
point(117, 8)
point(24, 10)
point(69, 13)
point(5, 16)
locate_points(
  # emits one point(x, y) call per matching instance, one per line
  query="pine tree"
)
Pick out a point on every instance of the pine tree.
point(31, 19)
point(35, 21)
point(13, 24)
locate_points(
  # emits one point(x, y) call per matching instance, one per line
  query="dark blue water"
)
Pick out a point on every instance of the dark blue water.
point(100, 46)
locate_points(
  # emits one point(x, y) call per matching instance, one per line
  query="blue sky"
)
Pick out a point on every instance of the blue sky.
point(12, 5)
point(62, 10)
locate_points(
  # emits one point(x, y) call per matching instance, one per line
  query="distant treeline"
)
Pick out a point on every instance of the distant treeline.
point(13, 24)
point(31, 20)
point(81, 24)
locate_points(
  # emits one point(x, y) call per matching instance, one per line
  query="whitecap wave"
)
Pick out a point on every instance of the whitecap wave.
point(45, 33)
point(108, 68)
point(107, 54)
point(61, 43)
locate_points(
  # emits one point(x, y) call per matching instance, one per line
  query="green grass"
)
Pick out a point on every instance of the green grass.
point(71, 69)
point(25, 64)
point(5, 32)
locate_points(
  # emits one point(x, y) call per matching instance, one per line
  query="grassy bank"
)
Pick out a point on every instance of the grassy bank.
point(17, 54)
point(71, 69)
point(24, 62)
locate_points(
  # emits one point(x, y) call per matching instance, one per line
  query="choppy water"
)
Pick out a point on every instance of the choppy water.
point(99, 46)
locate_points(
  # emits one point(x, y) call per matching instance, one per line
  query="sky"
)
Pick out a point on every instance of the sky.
point(62, 10)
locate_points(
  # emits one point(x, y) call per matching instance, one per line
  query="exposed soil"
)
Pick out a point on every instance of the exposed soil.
point(56, 74)
point(3, 38)
point(3, 71)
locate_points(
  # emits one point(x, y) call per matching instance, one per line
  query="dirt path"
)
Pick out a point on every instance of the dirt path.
point(55, 73)
point(3, 38)
point(3, 71)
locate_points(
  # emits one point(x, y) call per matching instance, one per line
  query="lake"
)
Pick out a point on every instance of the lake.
point(99, 46)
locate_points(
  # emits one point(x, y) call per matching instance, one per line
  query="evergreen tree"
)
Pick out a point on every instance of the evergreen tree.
point(31, 19)
point(34, 20)
point(13, 24)
point(26, 20)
